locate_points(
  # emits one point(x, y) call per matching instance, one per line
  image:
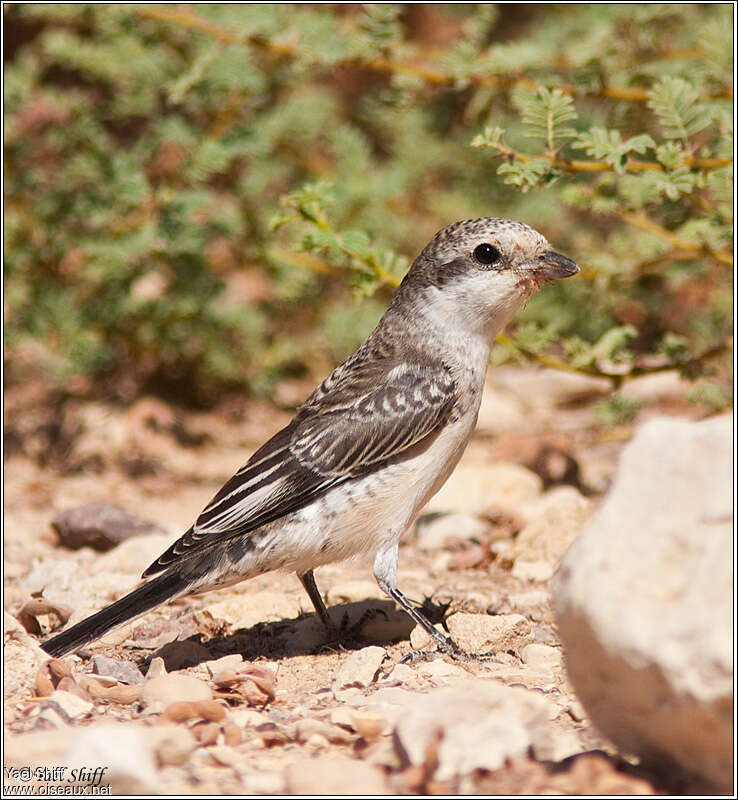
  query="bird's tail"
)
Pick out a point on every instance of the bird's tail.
point(139, 601)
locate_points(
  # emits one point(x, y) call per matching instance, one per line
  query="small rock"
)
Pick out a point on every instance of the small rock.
point(441, 671)
point(230, 663)
point(123, 749)
point(334, 776)
point(245, 612)
point(655, 387)
point(435, 531)
point(541, 656)
point(225, 756)
point(342, 716)
point(69, 706)
point(157, 669)
point(554, 520)
point(546, 387)
point(400, 673)
point(524, 601)
point(482, 633)
point(100, 526)
point(420, 639)
point(22, 660)
point(533, 571)
point(369, 725)
point(475, 725)
point(158, 693)
point(122, 671)
point(474, 488)
point(499, 411)
point(360, 668)
point(172, 744)
point(185, 710)
point(307, 728)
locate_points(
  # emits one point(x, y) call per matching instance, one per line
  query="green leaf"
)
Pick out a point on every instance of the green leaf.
point(675, 103)
point(492, 137)
point(607, 145)
point(528, 174)
point(545, 113)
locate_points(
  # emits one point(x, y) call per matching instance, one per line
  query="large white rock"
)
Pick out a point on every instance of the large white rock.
point(644, 601)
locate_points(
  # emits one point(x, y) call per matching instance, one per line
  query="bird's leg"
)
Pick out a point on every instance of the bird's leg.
point(385, 572)
point(344, 631)
point(307, 579)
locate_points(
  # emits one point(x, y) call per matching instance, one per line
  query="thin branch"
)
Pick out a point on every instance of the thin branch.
point(427, 74)
point(619, 378)
point(602, 166)
point(640, 220)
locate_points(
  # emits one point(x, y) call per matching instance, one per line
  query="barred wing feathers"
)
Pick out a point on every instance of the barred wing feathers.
point(364, 420)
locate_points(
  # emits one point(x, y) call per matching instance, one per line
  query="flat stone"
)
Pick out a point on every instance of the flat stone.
point(360, 668)
point(123, 671)
point(158, 693)
point(100, 526)
point(473, 725)
point(482, 633)
point(434, 532)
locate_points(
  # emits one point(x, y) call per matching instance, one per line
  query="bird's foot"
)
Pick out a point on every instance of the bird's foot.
point(354, 631)
point(347, 633)
point(448, 648)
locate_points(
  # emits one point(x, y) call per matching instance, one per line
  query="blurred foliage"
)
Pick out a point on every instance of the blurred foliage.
point(191, 189)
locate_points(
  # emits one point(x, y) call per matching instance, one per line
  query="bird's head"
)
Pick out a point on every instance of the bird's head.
point(475, 273)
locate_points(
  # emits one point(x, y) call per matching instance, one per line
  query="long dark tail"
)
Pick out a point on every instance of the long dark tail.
point(138, 602)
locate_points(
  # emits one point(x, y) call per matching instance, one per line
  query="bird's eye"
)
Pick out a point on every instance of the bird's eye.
point(486, 254)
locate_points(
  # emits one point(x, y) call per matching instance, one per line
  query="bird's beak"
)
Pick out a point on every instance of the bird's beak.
point(552, 265)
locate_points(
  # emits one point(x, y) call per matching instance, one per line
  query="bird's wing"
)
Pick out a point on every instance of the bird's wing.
point(329, 442)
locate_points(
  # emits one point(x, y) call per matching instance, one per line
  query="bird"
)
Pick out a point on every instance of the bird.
point(370, 446)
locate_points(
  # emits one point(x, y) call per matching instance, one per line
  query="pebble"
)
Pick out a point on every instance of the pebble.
point(360, 668)
point(542, 656)
point(158, 693)
point(100, 526)
point(156, 669)
point(399, 674)
point(308, 728)
point(69, 706)
point(482, 633)
point(473, 488)
point(439, 670)
point(475, 724)
point(434, 531)
point(122, 671)
point(226, 663)
point(420, 638)
point(172, 744)
point(125, 749)
point(334, 776)
point(535, 598)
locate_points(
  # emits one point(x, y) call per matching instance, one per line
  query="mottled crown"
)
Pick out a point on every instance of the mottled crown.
point(449, 255)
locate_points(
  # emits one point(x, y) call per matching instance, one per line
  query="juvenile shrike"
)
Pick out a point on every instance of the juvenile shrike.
point(371, 444)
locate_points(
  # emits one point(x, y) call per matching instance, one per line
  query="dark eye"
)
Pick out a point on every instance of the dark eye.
point(486, 254)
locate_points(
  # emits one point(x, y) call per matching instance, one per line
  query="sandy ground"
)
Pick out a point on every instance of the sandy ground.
point(163, 464)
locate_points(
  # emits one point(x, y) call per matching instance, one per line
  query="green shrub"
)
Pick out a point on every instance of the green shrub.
point(190, 190)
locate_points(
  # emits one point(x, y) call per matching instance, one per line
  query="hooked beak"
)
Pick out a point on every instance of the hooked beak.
point(552, 265)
